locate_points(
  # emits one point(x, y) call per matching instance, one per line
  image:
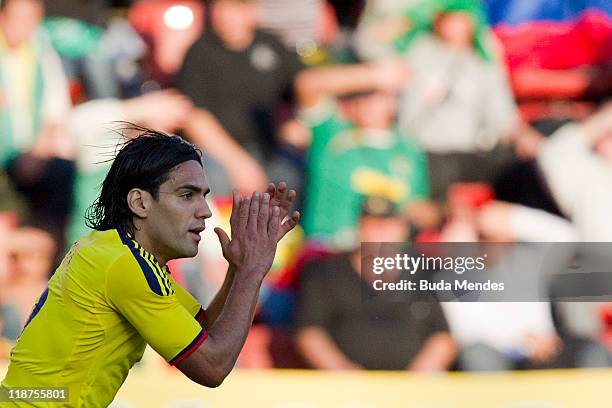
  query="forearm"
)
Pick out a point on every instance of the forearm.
point(133, 110)
point(598, 125)
point(216, 306)
point(314, 84)
point(204, 130)
point(533, 225)
point(218, 354)
point(321, 352)
point(566, 162)
point(233, 323)
point(54, 142)
point(437, 354)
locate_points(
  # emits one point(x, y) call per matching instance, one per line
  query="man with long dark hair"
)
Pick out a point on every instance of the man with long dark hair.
point(113, 293)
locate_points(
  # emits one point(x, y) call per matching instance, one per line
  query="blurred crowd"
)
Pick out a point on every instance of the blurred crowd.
point(395, 120)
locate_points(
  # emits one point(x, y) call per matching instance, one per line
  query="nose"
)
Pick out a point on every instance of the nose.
point(203, 210)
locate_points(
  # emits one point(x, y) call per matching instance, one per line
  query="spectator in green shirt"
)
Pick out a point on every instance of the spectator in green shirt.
point(357, 149)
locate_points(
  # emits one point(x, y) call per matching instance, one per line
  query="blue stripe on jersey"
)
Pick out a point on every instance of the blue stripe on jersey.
point(200, 315)
point(146, 268)
point(147, 258)
point(39, 304)
point(159, 272)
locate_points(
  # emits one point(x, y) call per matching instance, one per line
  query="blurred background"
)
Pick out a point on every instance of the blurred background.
point(395, 120)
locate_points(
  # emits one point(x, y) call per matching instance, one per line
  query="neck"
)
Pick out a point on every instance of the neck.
point(458, 45)
point(145, 241)
point(9, 42)
point(380, 126)
point(236, 43)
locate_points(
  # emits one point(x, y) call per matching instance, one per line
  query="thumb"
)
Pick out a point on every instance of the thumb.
point(223, 238)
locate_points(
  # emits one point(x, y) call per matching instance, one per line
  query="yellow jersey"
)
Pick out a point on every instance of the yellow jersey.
point(107, 300)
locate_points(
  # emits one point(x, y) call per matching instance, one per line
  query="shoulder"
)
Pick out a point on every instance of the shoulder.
point(423, 45)
point(203, 42)
point(326, 269)
point(266, 39)
point(135, 271)
point(406, 143)
point(99, 249)
point(201, 50)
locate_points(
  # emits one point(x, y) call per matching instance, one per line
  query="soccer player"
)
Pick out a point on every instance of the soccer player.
point(113, 293)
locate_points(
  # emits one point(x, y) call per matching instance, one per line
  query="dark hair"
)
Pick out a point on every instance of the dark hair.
point(143, 162)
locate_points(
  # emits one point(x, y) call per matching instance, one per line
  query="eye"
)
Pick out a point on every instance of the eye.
point(187, 196)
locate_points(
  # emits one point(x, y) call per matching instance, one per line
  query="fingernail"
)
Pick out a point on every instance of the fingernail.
point(266, 196)
point(276, 210)
point(256, 194)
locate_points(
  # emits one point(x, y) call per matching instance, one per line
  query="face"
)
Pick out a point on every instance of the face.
point(378, 229)
point(235, 22)
point(455, 28)
point(374, 111)
point(20, 19)
point(32, 254)
point(175, 220)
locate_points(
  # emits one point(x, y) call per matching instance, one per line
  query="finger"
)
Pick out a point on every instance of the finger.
point(264, 213)
point(244, 213)
point(279, 194)
point(234, 217)
point(254, 212)
point(271, 189)
point(288, 201)
point(288, 225)
point(274, 222)
point(223, 239)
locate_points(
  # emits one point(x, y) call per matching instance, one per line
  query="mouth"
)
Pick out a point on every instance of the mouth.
point(195, 232)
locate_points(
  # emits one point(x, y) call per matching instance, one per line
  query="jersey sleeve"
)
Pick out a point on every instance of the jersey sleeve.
point(138, 289)
point(188, 301)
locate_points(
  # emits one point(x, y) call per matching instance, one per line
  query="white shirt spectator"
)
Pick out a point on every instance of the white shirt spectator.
point(580, 181)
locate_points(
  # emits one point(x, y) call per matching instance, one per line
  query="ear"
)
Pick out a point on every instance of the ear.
point(139, 202)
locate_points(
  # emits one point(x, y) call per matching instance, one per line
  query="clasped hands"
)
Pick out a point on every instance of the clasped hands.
point(258, 222)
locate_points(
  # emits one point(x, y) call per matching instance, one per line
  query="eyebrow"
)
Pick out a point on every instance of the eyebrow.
point(193, 188)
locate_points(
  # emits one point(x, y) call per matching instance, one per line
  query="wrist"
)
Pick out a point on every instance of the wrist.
point(231, 270)
point(247, 275)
